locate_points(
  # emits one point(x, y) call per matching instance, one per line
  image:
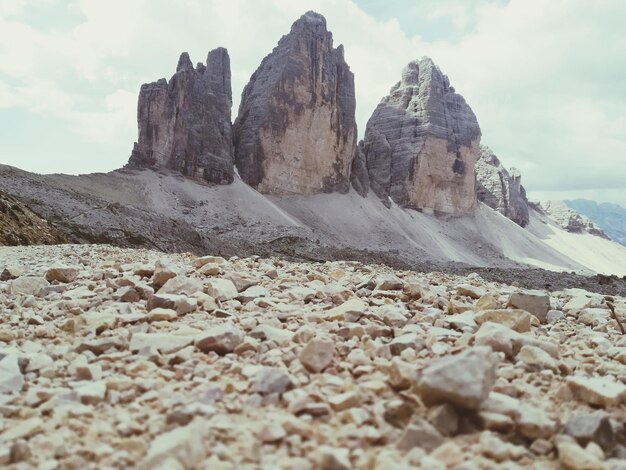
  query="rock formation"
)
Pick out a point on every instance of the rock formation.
point(569, 219)
point(296, 131)
point(422, 142)
point(185, 124)
point(499, 189)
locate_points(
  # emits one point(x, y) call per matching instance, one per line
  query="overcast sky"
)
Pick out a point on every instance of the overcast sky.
point(546, 78)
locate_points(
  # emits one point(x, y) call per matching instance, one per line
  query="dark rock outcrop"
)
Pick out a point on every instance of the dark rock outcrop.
point(19, 225)
point(185, 125)
point(499, 189)
point(421, 143)
point(296, 131)
point(358, 174)
point(609, 217)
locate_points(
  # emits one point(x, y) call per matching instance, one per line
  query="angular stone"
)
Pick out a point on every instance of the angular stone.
point(421, 143)
point(574, 457)
point(62, 274)
point(420, 434)
point(409, 340)
point(222, 339)
point(464, 380)
point(221, 289)
point(165, 343)
point(595, 427)
point(29, 285)
point(344, 401)
point(470, 291)
point(162, 273)
point(517, 320)
point(317, 354)
point(92, 393)
point(271, 380)
point(601, 391)
point(181, 285)
point(11, 379)
point(296, 130)
point(535, 302)
point(536, 359)
point(182, 447)
point(180, 303)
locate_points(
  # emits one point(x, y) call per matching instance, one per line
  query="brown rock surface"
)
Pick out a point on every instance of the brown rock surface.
point(422, 143)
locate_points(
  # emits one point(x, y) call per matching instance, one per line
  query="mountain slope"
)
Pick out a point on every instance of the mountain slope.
point(609, 217)
point(166, 211)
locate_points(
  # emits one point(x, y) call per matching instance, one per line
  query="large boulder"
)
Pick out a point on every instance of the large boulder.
point(185, 125)
point(422, 142)
point(499, 189)
point(296, 131)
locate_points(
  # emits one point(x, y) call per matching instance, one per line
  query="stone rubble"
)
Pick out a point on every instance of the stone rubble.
point(139, 359)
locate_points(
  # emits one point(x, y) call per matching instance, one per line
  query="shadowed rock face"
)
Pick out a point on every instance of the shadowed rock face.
point(185, 124)
point(499, 189)
point(296, 131)
point(422, 142)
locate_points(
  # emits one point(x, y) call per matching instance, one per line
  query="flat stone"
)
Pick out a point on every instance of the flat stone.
point(162, 314)
point(344, 401)
point(180, 303)
point(534, 301)
point(420, 434)
point(23, 429)
point(181, 285)
point(471, 291)
point(222, 339)
point(536, 359)
point(350, 311)
point(271, 380)
point(533, 423)
point(29, 285)
point(464, 380)
point(317, 354)
point(182, 447)
point(165, 343)
point(574, 457)
point(11, 379)
point(92, 393)
point(409, 340)
point(594, 427)
point(221, 289)
point(517, 320)
point(62, 274)
point(601, 391)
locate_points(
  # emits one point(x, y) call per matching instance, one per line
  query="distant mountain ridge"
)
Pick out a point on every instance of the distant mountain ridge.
point(611, 218)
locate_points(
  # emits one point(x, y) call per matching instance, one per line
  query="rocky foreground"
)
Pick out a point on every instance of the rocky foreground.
point(118, 358)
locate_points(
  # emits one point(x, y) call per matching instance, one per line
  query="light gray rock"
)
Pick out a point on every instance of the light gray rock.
point(29, 285)
point(271, 380)
point(500, 189)
point(569, 219)
point(185, 125)
point(464, 380)
point(317, 354)
point(11, 379)
point(595, 427)
point(296, 130)
point(533, 301)
point(421, 143)
point(222, 339)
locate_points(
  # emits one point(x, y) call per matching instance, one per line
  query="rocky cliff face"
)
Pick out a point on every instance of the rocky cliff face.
point(422, 142)
point(185, 124)
point(499, 189)
point(296, 131)
point(569, 219)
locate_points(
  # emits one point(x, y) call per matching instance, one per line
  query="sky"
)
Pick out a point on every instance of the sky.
point(546, 78)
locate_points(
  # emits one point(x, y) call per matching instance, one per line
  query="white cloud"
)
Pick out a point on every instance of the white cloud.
point(544, 78)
